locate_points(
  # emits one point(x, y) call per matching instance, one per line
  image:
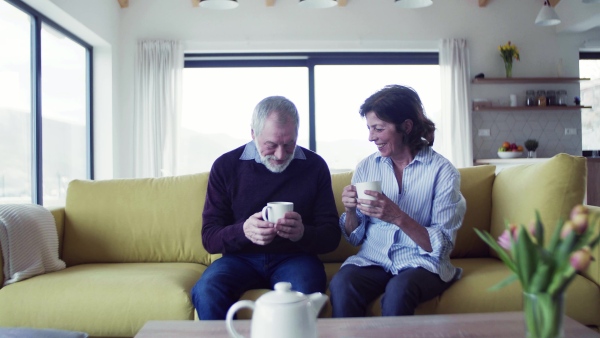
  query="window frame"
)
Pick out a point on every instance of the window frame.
point(309, 60)
point(37, 19)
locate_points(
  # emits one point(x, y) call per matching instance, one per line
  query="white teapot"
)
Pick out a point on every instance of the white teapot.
point(282, 313)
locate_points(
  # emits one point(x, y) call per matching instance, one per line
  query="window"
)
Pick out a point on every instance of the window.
point(45, 114)
point(220, 92)
point(589, 67)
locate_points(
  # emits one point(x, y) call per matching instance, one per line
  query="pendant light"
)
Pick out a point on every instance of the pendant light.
point(317, 3)
point(547, 16)
point(413, 3)
point(219, 4)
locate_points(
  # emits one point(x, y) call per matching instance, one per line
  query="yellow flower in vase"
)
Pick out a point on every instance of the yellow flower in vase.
point(508, 52)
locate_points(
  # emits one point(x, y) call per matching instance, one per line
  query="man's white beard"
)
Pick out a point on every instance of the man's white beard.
point(275, 168)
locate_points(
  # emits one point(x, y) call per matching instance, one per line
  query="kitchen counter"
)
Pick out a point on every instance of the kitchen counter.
point(509, 161)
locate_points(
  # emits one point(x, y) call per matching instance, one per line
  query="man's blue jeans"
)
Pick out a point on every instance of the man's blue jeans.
point(226, 279)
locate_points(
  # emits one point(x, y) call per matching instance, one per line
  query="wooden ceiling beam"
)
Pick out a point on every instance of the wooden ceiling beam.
point(553, 3)
point(195, 3)
point(123, 3)
point(342, 3)
point(270, 3)
point(483, 3)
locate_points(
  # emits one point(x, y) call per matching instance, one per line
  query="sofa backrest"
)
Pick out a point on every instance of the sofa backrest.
point(552, 187)
point(344, 250)
point(476, 187)
point(135, 220)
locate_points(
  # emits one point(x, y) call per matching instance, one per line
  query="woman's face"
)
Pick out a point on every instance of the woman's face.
point(384, 135)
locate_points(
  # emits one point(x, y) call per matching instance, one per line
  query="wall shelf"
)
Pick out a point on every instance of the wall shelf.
point(534, 108)
point(517, 80)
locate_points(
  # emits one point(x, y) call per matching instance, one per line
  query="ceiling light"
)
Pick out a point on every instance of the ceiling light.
point(413, 3)
point(547, 16)
point(591, 1)
point(317, 3)
point(219, 4)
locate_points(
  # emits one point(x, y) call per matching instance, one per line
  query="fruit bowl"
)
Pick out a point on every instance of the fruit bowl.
point(510, 154)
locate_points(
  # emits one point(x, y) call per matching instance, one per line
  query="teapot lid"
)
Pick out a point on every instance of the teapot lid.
point(283, 294)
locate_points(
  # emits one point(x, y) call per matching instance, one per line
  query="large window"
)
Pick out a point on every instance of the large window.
point(589, 67)
point(45, 114)
point(220, 92)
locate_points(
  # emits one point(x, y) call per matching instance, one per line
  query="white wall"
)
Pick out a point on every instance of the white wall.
point(362, 25)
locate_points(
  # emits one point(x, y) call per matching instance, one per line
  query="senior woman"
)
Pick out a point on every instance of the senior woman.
point(407, 233)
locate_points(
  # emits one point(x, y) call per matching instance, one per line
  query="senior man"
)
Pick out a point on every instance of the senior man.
point(258, 253)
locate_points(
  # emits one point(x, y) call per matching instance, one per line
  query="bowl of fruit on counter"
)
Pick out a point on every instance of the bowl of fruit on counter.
point(510, 150)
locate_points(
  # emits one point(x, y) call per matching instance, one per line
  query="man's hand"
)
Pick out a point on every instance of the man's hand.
point(258, 231)
point(290, 226)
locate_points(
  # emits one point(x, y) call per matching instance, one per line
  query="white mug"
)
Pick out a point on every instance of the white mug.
point(362, 186)
point(276, 210)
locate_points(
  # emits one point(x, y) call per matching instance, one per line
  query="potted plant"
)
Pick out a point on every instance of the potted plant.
point(531, 145)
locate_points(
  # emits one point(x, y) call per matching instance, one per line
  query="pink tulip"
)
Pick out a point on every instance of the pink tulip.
point(580, 223)
point(566, 229)
point(579, 209)
point(580, 260)
point(504, 240)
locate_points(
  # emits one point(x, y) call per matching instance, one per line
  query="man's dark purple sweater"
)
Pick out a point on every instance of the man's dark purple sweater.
point(239, 188)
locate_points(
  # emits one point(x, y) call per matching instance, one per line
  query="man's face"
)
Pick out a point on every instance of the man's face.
point(276, 143)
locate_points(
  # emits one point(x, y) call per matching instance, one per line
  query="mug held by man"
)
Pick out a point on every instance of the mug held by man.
point(276, 210)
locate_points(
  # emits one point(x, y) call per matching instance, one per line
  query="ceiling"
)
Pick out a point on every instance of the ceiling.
point(341, 3)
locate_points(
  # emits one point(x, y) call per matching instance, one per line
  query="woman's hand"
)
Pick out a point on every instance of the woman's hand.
point(349, 196)
point(382, 207)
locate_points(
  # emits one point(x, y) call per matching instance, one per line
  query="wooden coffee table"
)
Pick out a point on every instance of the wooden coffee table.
point(500, 324)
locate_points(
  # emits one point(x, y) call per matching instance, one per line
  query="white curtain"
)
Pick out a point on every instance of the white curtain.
point(157, 107)
point(455, 128)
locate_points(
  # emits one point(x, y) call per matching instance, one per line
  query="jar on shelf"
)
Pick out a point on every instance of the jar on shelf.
point(561, 97)
point(530, 98)
point(551, 98)
point(541, 98)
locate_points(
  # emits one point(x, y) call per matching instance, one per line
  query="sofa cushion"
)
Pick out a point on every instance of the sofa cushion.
point(135, 220)
point(344, 249)
point(476, 187)
point(102, 299)
point(552, 187)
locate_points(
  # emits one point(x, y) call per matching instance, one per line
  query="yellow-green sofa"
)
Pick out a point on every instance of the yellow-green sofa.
point(133, 250)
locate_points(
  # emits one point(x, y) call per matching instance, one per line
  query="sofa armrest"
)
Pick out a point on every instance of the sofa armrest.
point(59, 218)
point(593, 271)
point(1, 268)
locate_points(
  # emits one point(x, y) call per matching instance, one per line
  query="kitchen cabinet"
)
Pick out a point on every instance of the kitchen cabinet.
point(529, 80)
point(593, 181)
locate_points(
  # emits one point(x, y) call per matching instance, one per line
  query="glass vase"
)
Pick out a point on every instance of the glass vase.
point(544, 315)
point(508, 68)
point(531, 154)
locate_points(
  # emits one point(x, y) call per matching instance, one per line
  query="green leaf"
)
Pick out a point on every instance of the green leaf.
point(489, 240)
point(504, 282)
point(564, 249)
point(556, 236)
point(539, 229)
point(526, 256)
point(542, 277)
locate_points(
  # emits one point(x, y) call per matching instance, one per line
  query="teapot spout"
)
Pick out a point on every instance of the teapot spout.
point(317, 300)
